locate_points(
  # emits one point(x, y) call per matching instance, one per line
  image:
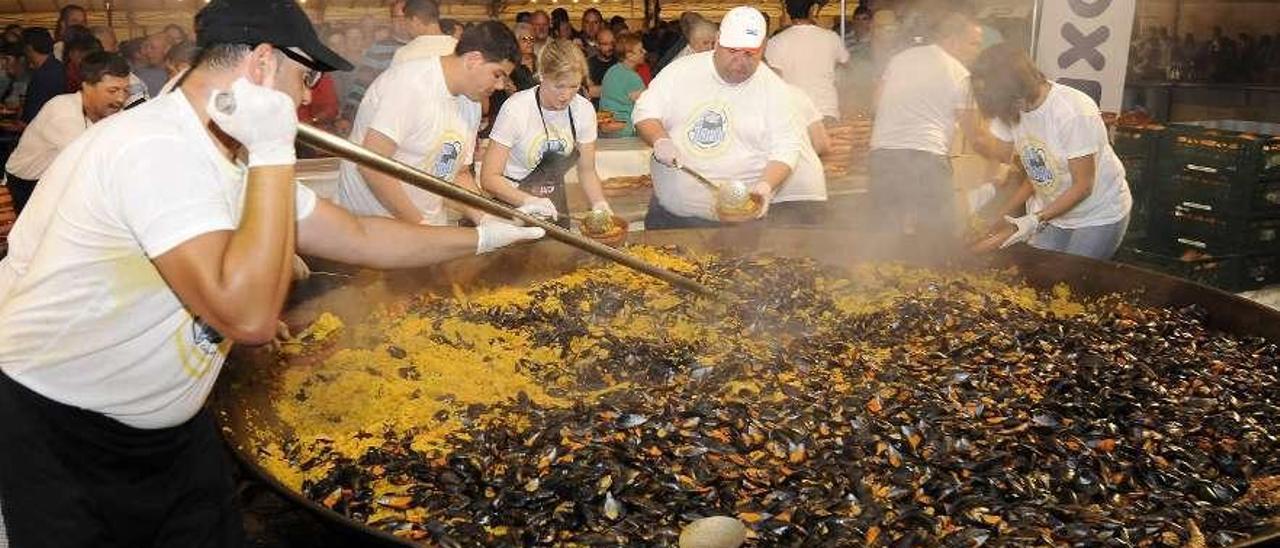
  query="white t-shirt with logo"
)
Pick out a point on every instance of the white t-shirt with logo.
point(1066, 126)
point(924, 87)
point(807, 56)
point(808, 181)
point(85, 317)
point(724, 131)
point(519, 128)
point(59, 122)
point(434, 131)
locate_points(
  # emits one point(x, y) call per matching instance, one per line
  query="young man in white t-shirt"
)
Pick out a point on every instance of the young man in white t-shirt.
point(922, 97)
point(145, 253)
point(806, 56)
point(716, 114)
point(103, 91)
point(426, 113)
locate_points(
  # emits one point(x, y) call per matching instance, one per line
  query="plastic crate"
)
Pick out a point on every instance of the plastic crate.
point(1230, 273)
point(1136, 169)
point(1217, 190)
point(1244, 154)
point(1179, 226)
point(1138, 141)
point(1139, 222)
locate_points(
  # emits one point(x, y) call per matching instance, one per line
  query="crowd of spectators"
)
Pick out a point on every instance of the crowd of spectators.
point(1157, 55)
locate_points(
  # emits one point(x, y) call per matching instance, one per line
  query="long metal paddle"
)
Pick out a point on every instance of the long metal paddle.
point(346, 149)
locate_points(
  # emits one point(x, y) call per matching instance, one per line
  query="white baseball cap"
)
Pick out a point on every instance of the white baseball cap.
point(743, 27)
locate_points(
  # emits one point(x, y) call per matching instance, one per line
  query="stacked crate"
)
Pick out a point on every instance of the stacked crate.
point(1215, 206)
point(1138, 147)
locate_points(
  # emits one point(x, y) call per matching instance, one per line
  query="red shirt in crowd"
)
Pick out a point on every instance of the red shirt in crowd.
point(645, 74)
point(323, 108)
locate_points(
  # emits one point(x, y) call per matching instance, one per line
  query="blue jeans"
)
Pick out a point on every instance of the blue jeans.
point(1096, 242)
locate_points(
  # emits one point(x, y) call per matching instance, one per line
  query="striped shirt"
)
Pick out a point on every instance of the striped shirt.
point(376, 60)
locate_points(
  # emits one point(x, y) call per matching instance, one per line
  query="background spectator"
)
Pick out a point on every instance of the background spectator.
point(107, 37)
point(13, 61)
point(618, 24)
point(80, 42)
point(148, 65)
point(452, 28)
point(69, 16)
point(48, 76)
point(599, 61)
point(623, 85)
point(176, 35)
point(592, 23)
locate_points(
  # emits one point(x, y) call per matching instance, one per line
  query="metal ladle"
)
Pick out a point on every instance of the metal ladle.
point(730, 195)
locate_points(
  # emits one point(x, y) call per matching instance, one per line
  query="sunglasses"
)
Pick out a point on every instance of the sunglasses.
point(312, 78)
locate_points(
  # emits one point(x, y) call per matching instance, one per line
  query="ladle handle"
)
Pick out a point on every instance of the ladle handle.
point(345, 149)
point(698, 177)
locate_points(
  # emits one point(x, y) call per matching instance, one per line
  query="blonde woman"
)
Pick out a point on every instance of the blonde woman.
point(540, 134)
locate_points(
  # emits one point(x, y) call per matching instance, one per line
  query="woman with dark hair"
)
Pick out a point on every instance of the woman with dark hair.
point(1073, 185)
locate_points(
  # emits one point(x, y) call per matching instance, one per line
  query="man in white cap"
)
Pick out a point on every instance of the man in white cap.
point(717, 114)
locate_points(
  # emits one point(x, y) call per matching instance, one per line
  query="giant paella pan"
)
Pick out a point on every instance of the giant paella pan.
point(831, 396)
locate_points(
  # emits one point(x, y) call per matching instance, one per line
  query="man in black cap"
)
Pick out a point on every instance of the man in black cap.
point(154, 241)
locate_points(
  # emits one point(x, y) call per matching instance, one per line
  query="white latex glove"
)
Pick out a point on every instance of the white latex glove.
point(765, 192)
point(262, 119)
point(540, 207)
point(666, 153)
point(1027, 225)
point(496, 235)
point(602, 206)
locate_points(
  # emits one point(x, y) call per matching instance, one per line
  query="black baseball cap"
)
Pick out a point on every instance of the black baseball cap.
point(281, 23)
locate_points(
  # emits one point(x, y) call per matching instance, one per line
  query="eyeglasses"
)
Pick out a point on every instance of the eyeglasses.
point(526, 38)
point(312, 78)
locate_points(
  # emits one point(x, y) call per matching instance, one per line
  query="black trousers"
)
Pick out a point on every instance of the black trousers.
point(75, 478)
point(20, 190)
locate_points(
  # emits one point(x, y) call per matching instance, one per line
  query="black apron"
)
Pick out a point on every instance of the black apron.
point(547, 178)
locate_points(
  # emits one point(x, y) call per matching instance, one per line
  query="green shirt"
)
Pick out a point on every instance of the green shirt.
point(615, 95)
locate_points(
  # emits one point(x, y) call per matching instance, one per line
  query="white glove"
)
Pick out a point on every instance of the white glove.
point(496, 235)
point(264, 120)
point(666, 153)
point(765, 192)
point(1028, 225)
point(602, 206)
point(540, 207)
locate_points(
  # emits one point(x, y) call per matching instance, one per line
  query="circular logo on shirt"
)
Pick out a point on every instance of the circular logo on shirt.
point(1040, 166)
point(199, 350)
point(541, 145)
point(448, 156)
point(708, 130)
